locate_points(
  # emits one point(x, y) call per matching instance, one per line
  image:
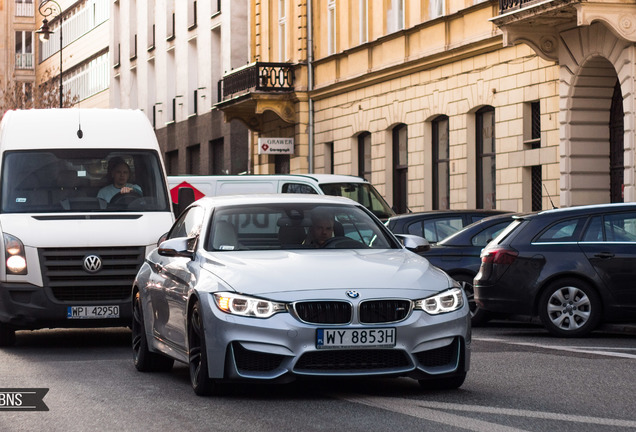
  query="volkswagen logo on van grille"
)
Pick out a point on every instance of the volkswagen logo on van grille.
point(92, 263)
point(353, 294)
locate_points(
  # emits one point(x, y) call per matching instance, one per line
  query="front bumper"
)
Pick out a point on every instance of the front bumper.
point(283, 348)
point(30, 307)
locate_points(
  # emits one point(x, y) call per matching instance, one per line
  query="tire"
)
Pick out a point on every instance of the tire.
point(198, 357)
point(144, 359)
point(7, 336)
point(478, 316)
point(448, 383)
point(570, 308)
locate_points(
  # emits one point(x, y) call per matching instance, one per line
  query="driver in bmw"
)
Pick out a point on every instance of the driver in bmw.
point(321, 229)
point(119, 172)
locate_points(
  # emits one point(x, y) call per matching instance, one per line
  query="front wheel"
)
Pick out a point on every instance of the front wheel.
point(448, 383)
point(570, 308)
point(198, 363)
point(145, 360)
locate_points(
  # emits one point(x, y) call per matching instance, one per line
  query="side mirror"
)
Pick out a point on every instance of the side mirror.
point(177, 247)
point(414, 243)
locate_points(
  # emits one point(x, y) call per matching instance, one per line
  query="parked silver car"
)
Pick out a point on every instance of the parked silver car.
point(240, 290)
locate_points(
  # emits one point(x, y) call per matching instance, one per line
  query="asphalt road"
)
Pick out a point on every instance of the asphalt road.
point(521, 379)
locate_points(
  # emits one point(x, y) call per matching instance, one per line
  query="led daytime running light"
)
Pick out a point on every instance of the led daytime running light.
point(444, 302)
point(236, 304)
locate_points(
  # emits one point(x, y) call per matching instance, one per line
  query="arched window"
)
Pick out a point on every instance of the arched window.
point(441, 164)
point(400, 168)
point(364, 155)
point(486, 168)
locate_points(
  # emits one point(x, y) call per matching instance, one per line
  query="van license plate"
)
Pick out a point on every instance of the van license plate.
point(358, 338)
point(92, 312)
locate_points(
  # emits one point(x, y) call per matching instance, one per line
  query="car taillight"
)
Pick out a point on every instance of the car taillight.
point(499, 256)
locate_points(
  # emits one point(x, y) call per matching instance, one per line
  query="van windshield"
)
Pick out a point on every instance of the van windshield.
point(363, 193)
point(82, 180)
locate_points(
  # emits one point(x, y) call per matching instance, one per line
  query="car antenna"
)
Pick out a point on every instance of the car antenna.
point(549, 197)
point(80, 134)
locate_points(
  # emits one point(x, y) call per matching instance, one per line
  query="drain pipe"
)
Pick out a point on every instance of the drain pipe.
point(310, 85)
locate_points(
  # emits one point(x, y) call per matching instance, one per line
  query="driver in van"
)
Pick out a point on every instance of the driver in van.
point(321, 229)
point(119, 173)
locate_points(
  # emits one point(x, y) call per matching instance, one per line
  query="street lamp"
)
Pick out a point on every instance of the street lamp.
point(46, 9)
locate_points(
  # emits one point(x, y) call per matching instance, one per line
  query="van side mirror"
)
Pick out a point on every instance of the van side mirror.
point(185, 197)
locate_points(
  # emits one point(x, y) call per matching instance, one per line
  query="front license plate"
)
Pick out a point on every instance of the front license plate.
point(355, 338)
point(92, 312)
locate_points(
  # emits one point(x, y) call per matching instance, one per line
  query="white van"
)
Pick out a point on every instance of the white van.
point(70, 252)
point(356, 188)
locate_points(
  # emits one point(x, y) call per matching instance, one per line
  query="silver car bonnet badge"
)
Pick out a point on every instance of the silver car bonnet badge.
point(92, 263)
point(353, 294)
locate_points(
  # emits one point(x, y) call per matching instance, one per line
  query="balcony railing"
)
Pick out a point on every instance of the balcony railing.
point(277, 77)
point(23, 61)
point(24, 9)
point(510, 5)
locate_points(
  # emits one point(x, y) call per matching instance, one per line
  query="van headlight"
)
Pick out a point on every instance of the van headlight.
point(246, 306)
point(446, 301)
point(15, 259)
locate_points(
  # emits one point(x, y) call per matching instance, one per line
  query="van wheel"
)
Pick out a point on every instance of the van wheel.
point(7, 336)
point(570, 308)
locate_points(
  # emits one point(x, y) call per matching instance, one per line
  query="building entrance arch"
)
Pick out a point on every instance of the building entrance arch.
point(597, 100)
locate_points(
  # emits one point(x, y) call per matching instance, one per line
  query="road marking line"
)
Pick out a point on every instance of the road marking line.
point(412, 408)
point(432, 411)
point(559, 348)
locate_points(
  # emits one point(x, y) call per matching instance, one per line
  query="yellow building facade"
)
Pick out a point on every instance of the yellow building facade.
point(446, 104)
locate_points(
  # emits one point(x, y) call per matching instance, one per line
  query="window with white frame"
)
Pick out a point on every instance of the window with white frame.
point(436, 8)
point(395, 16)
point(282, 30)
point(364, 21)
point(89, 78)
point(331, 26)
point(24, 50)
point(24, 8)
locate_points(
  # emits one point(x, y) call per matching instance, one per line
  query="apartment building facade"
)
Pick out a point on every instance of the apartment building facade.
point(17, 47)
point(78, 47)
point(168, 58)
point(446, 104)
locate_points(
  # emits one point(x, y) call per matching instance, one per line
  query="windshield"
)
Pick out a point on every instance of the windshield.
point(362, 193)
point(83, 180)
point(296, 226)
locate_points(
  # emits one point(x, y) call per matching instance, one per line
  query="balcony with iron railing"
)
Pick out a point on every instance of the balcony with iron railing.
point(23, 9)
point(260, 77)
point(24, 61)
point(247, 92)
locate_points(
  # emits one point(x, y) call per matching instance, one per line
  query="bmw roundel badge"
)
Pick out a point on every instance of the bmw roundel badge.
point(353, 294)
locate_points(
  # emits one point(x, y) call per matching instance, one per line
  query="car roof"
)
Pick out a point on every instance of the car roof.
point(576, 210)
point(255, 199)
point(436, 213)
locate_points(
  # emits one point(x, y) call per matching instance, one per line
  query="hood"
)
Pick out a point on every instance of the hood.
point(267, 272)
point(102, 229)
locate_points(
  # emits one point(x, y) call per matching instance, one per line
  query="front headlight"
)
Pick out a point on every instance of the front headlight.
point(241, 305)
point(446, 301)
point(15, 258)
